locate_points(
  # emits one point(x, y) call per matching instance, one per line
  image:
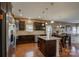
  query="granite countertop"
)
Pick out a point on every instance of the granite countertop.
point(51, 38)
point(18, 33)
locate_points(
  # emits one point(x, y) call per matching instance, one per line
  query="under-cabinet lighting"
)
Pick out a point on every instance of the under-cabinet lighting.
point(46, 23)
point(42, 24)
point(52, 21)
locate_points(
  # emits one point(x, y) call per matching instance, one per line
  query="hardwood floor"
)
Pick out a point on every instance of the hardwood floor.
point(31, 50)
point(75, 50)
point(28, 50)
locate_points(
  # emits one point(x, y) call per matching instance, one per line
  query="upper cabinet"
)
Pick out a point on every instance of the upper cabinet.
point(21, 25)
point(39, 26)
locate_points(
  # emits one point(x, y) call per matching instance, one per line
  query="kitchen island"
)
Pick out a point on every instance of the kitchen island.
point(49, 47)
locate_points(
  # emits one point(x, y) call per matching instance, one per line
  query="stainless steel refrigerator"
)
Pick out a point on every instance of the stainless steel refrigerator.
point(11, 35)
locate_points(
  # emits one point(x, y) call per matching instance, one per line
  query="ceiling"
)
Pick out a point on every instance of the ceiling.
point(56, 11)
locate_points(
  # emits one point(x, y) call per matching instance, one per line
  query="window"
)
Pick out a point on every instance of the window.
point(74, 30)
point(78, 30)
point(69, 29)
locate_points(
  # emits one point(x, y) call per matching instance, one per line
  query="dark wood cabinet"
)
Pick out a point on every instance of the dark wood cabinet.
point(47, 47)
point(25, 39)
point(21, 25)
point(39, 26)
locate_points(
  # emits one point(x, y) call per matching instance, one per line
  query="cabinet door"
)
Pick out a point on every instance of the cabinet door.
point(39, 26)
point(21, 25)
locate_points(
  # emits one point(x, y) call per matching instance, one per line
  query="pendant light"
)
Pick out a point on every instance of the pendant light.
point(20, 13)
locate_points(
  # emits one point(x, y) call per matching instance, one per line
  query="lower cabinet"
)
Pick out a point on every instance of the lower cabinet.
point(47, 47)
point(25, 39)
